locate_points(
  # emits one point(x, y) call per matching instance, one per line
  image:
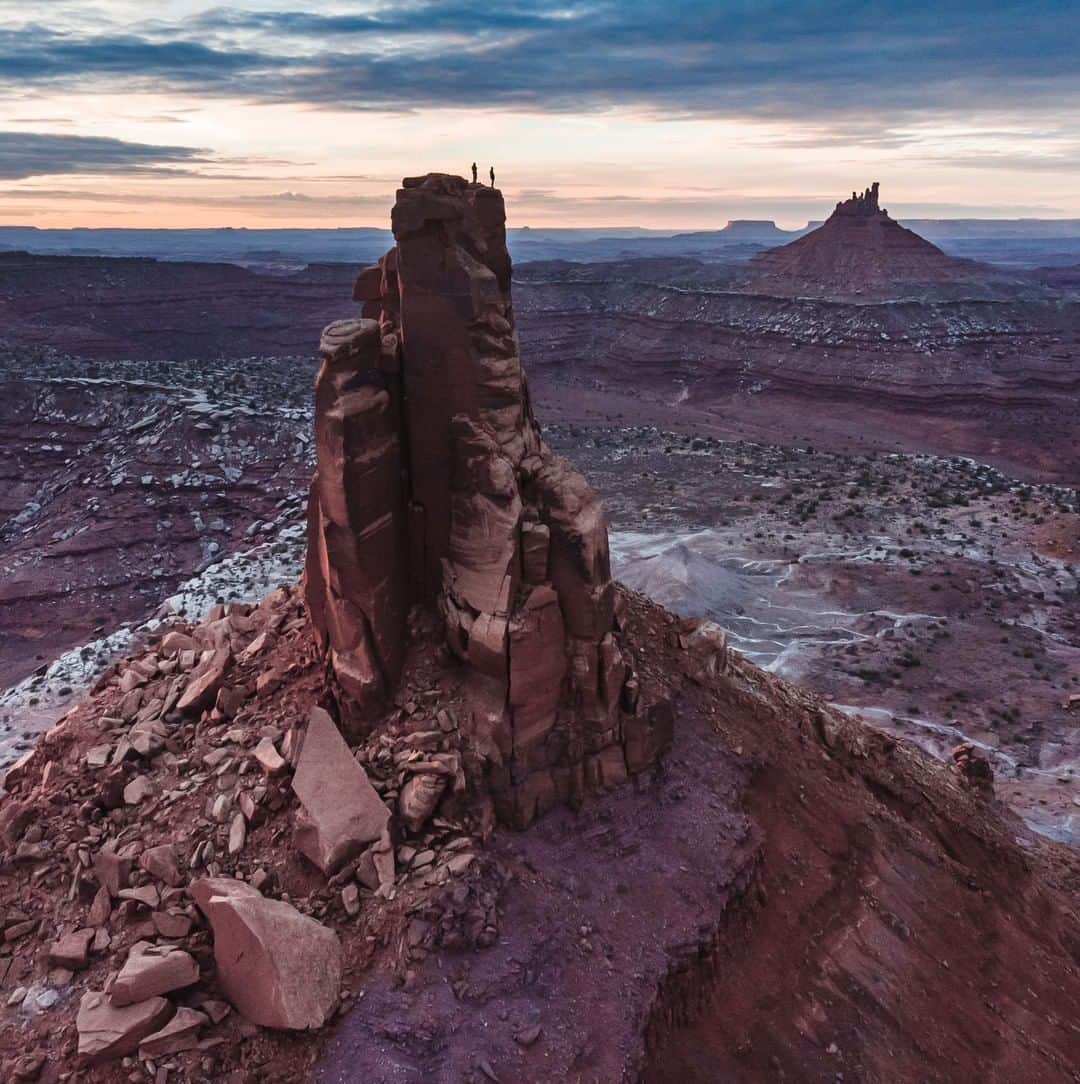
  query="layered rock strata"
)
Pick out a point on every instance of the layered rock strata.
point(434, 487)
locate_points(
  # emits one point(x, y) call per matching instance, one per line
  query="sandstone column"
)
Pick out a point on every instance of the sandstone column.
point(434, 486)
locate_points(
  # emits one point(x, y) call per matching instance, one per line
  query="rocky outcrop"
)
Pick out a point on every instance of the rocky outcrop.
point(434, 487)
point(862, 205)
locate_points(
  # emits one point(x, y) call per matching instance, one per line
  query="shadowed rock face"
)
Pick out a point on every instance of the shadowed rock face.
point(358, 587)
point(433, 486)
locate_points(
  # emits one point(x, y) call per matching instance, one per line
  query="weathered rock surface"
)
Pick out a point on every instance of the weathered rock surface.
point(278, 967)
point(434, 486)
point(358, 591)
point(179, 1034)
point(109, 1031)
point(151, 970)
point(342, 812)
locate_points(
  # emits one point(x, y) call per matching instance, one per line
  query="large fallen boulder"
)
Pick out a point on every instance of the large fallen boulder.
point(342, 812)
point(278, 967)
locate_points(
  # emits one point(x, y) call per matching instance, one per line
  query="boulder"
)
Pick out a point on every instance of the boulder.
point(706, 647)
point(179, 1034)
point(172, 643)
point(72, 950)
point(202, 689)
point(342, 811)
point(160, 862)
point(109, 1031)
point(144, 895)
point(169, 924)
point(278, 967)
point(419, 797)
point(270, 760)
point(139, 789)
point(147, 738)
point(112, 870)
point(100, 907)
point(151, 970)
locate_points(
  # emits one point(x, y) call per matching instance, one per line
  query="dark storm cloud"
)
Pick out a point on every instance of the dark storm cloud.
point(38, 55)
point(32, 154)
point(785, 59)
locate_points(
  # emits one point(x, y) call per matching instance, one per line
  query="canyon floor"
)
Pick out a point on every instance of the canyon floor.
point(935, 596)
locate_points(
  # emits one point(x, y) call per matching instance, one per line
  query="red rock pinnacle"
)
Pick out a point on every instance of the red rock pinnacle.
point(434, 486)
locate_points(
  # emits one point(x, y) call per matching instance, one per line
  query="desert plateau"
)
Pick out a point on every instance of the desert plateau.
point(605, 613)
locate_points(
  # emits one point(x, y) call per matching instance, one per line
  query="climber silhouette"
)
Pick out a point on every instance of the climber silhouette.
point(474, 173)
point(492, 172)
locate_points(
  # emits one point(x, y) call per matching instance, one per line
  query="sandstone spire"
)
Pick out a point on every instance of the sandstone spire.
point(434, 487)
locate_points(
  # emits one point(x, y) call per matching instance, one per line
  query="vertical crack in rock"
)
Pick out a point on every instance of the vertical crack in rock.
point(433, 486)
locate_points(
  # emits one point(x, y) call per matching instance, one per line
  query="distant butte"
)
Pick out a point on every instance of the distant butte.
point(859, 251)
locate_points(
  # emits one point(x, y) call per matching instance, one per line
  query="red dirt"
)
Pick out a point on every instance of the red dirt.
point(792, 896)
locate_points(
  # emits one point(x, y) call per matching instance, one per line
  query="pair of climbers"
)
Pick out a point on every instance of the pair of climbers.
point(491, 173)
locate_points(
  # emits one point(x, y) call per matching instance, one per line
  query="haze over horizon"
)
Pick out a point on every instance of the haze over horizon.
point(254, 113)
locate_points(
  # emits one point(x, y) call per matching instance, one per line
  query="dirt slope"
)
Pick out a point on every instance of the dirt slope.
point(791, 896)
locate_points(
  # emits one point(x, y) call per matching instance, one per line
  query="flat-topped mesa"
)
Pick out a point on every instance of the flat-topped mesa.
point(433, 486)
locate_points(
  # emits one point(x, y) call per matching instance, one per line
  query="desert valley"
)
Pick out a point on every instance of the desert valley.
point(401, 733)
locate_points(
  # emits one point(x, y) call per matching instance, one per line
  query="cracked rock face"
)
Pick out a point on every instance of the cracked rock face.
point(433, 486)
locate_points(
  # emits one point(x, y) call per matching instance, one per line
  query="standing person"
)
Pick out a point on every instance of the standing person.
point(474, 173)
point(492, 172)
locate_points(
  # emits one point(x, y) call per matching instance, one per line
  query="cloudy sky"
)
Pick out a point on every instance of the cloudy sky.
point(663, 113)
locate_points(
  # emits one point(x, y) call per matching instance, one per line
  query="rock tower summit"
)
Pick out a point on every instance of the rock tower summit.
point(861, 206)
point(434, 488)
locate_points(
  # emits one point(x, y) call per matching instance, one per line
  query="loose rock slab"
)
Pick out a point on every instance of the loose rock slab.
point(72, 950)
point(342, 810)
point(278, 967)
point(151, 970)
point(110, 1031)
point(179, 1034)
point(203, 688)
